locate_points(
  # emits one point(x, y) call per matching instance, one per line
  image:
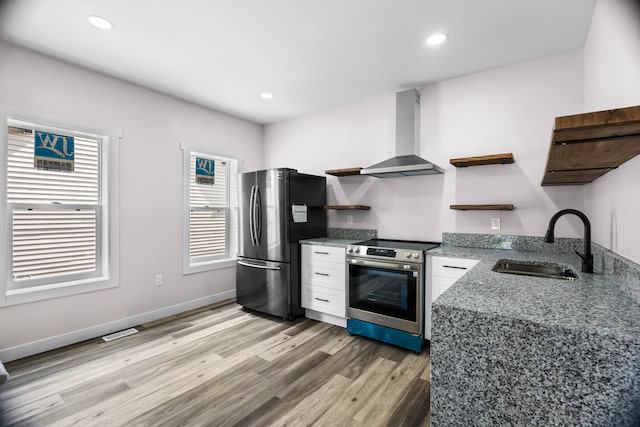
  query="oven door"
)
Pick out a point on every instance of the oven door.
point(386, 293)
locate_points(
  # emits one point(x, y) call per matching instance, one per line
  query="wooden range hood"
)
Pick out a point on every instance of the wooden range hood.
point(586, 146)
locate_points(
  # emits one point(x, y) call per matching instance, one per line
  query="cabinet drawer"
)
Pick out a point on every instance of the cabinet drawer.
point(313, 253)
point(327, 274)
point(451, 267)
point(323, 300)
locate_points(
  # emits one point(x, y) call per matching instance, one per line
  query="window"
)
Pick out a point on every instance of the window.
point(209, 204)
point(59, 210)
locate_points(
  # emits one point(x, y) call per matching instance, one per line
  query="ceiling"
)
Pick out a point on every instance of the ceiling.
point(312, 54)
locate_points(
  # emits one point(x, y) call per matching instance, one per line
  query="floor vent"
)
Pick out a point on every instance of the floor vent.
point(116, 335)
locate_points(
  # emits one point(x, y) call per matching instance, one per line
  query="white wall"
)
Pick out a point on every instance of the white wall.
point(509, 109)
point(150, 192)
point(612, 80)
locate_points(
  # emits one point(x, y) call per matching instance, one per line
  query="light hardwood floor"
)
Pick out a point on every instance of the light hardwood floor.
point(221, 366)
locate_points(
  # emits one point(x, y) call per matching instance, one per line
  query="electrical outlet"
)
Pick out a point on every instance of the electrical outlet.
point(159, 280)
point(495, 223)
point(349, 219)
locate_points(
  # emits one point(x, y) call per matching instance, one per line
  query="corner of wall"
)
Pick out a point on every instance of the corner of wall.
point(610, 201)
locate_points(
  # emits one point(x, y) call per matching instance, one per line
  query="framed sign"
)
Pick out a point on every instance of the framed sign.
point(205, 171)
point(53, 152)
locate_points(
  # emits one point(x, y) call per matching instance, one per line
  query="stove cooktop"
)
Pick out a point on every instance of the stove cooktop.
point(399, 244)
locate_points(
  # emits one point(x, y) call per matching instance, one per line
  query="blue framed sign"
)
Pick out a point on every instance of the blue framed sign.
point(53, 152)
point(205, 171)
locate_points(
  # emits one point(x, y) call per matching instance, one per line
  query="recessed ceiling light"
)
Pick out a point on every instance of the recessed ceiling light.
point(100, 22)
point(437, 39)
point(267, 95)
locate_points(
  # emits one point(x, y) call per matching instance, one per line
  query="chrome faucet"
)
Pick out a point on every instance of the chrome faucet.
point(587, 257)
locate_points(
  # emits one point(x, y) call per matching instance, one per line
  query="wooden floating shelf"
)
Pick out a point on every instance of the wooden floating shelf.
point(586, 146)
point(348, 207)
point(505, 207)
point(493, 159)
point(343, 172)
point(573, 177)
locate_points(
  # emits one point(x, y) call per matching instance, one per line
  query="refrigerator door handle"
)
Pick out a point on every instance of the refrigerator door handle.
point(254, 216)
point(251, 215)
point(258, 220)
point(264, 267)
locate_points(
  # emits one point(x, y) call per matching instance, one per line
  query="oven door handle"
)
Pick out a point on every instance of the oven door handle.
point(387, 265)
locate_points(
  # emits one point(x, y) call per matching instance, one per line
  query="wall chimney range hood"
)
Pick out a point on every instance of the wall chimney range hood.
point(407, 161)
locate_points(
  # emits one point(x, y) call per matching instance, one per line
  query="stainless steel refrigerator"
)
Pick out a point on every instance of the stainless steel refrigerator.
point(278, 208)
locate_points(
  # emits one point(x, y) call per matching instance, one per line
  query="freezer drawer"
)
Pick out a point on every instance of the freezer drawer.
point(264, 286)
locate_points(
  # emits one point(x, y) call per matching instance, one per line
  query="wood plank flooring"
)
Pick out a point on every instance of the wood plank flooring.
point(221, 366)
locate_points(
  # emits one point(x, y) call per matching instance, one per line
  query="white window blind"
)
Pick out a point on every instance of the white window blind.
point(54, 216)
point(50, 243)
point(208, 213)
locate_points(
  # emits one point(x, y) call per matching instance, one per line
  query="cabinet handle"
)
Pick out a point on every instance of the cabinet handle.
point(455, 266)
point(321, 274)
point(321, 253)
point(320, 299)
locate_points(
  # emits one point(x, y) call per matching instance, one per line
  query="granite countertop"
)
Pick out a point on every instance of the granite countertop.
point(342, 237)
point(521, 350)
point(592, 304)
point(329, 241)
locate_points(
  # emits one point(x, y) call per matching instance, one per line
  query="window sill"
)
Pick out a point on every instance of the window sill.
point(209, 265)
point(39, 293)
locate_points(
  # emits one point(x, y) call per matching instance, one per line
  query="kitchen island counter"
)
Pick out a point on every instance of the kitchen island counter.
point(521, 350)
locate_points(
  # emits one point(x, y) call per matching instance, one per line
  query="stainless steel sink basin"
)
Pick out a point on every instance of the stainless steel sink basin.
point(552, 271)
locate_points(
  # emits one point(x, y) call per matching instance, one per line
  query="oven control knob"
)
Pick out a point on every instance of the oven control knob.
point(416, 255)
point(350, 249)
point(356, 249)
point(407, 254)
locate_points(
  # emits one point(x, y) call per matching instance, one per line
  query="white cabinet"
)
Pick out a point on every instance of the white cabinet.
point(444, 273)
point(323, 283)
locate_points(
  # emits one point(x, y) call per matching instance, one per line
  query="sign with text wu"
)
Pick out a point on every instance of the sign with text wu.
point(205, 171)
point(53, 152)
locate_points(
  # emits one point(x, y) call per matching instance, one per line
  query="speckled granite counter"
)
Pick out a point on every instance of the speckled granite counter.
point(342, 237)
point(519, 350)
point(329, 241)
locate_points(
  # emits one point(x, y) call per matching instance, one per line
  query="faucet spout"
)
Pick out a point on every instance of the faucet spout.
point(587, 257)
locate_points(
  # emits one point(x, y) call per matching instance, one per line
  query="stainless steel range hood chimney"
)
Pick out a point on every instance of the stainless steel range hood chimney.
point(407, 161)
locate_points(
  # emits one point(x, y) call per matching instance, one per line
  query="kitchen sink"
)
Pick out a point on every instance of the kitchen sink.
point(547, 270)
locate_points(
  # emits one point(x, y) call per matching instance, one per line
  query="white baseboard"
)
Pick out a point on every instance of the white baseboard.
point(326, 318)
point(46, 344)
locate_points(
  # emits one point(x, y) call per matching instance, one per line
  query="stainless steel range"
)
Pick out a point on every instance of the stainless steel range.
point(385, 298)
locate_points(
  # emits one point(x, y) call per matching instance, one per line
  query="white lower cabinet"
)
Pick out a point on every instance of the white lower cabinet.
point(323, 271)
point(445, 272)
